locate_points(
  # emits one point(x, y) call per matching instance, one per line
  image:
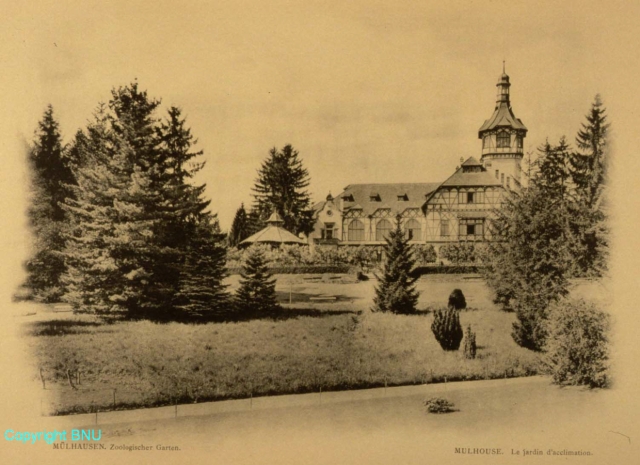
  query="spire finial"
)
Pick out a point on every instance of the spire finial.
point(503, 68)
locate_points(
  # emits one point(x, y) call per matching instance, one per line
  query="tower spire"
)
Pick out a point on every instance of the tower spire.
point(503, 69)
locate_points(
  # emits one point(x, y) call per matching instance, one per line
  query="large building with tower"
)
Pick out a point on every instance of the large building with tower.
point(453, 211)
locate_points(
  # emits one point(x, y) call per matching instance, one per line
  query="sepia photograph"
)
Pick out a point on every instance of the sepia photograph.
point(300, 232)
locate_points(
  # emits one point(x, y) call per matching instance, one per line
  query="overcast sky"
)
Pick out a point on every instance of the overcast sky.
point(366, 91)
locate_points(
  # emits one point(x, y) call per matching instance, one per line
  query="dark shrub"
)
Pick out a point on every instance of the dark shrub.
point(446, 328)
point(457, 300)
point(256, 296)
point(439, 405)
point(576, 349)
point(529, 329)
point(470, 347)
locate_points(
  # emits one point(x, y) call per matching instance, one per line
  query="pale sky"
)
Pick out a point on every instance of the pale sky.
point(367, 91)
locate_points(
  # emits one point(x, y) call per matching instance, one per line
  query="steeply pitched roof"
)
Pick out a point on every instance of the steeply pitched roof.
point(416, 194)
point(471, 161)
point(502, 117)
point(471, 179)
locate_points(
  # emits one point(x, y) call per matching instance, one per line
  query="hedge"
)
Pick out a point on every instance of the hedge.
point(303, 269)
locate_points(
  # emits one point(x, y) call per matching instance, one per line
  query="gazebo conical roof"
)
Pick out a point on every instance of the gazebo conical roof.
point(273, 234)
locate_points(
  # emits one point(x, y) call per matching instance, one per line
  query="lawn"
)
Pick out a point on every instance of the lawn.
point(328, 344)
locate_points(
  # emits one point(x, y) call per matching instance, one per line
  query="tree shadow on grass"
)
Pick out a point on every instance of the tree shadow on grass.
point(292, 313)
point(65, 327)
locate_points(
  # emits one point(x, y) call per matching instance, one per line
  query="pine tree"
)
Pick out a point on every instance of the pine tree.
point(528, 264)
point(135, 213)
point(51, 178)
point(589, 164)
point(202, 295)
point(280, 188)
point(239, 228)
point(256, 296)
point(396, 289)
point(588, 169)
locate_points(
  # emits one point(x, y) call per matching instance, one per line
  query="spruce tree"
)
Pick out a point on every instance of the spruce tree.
point(239, 228)
point(588, 169)
point(256, 295)
point(105, 244)
point(396, 290)
point(589, 164)
point(202, 295)
point(135, 212)
point(51, 178)
point(529, 262)
point(280, 187)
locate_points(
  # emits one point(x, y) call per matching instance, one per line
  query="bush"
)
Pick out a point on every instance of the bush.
point(425, 253)
point(458, 253)
point(576, 350)
point(529, 329)
point(446, 328)
point(439, 405)
point(457, 300)
point(470, 347)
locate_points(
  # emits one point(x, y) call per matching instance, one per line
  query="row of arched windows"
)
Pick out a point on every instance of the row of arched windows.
point(355, 230)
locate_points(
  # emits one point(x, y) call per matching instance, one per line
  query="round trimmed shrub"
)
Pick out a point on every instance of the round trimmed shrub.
point(457, 300)
point(577, 345)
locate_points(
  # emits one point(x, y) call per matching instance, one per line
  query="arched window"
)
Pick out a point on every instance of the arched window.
point(504, 140)
point(356, 231)
point(382, 230)
point(413, 230)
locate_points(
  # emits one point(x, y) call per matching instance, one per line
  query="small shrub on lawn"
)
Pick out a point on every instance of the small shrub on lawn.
point(396, 290)
point(576, 349)
point(446, 328)
point(256, 296)
point(439, 405)
point(470, 347)
point(457, 300)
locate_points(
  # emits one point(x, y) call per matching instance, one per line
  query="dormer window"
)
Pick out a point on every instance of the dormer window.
point(503, 140)
point(348, 198)
point(374, 197)
point(403, 198)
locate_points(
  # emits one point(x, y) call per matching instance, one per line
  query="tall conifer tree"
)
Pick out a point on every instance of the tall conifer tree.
point(588, 170)
point(51, 178)
point(528, 265)
point(240, 228)
point(135, 213)
point(280, 187)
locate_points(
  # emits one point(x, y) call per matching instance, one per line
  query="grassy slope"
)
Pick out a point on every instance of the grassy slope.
point(152, 364)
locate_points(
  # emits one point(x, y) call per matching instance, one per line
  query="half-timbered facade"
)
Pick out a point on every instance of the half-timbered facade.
point(456, 210)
